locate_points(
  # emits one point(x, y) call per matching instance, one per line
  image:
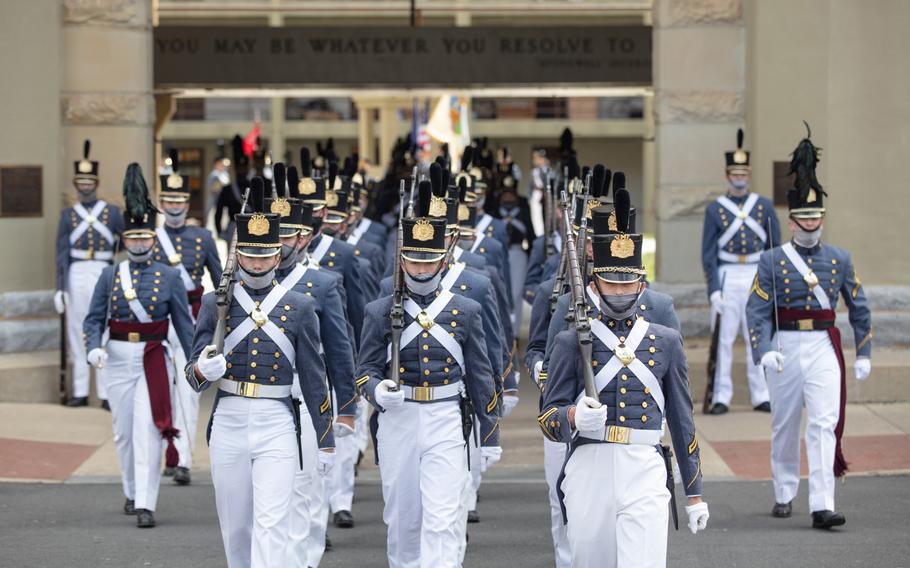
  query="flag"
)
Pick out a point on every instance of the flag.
point(449, 124)
point(251, 140)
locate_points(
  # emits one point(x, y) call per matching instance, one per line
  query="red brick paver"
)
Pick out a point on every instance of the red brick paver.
point(24, 459)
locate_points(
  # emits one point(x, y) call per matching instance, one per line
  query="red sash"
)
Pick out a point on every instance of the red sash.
point(787, 314)
point(195, 297)
point(154, 362)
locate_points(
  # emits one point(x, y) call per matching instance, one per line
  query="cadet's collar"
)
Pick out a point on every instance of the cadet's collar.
point(282, 272)
point(807, 251)
point(738, 199)
point(175, 230)
point(423, 300)
point(143, 264)
point(314, 242)
point(618, 325)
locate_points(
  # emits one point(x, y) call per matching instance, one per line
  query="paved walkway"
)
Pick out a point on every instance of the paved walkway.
point(51, 443)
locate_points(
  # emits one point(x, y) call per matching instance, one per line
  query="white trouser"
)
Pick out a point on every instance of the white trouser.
point(362, 431)
point(554, 455)
point(518, 266)
point(82, 277)
point(253, 449)
point(737, 279)
point(184, 404)
point(469, 493)
point(306, 481)
point(422, 465)
point(138, 440)
point(811, 376)
point(617, 505)
point(341, 494)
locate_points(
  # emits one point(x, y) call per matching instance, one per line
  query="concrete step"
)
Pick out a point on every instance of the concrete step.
point(887, 383)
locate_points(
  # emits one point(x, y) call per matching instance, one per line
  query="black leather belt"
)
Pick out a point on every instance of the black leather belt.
point(805, 325)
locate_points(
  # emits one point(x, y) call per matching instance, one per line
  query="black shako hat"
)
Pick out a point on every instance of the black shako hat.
point(806, 198)
point(258, 231)
point(617, 257)
point(424, 237)
point(85, 169)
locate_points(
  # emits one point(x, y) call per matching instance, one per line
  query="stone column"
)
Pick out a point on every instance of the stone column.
point(106, 93)
point(699, 83)
point(388, 130)
point(366, 144)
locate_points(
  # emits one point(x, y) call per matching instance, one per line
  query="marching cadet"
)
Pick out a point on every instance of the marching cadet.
point(515, 211)
point(616, 480)
point(803, 357)
point(309, 508)
point(86, 244)
point(545, 325)
point(361, 227)
point(190, 250)
point(329, 252)
point(271, 336)
point(736, 232)
point(134, 301)
point(421, 427)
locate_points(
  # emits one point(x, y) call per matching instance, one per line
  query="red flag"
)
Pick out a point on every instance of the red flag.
point(251, 140)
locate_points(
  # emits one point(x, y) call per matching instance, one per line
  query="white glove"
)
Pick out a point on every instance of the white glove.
point(861, 368)
point(97, 357)
point(698, 516)
point(212, 367)
point(509, 402)
point(60, 301)
point(538, 367)
point(489, 456)
point(342, 429)
point(773, 361)
point(590, 414)
point(386, 397)
point(717, 301)
point(326, 463)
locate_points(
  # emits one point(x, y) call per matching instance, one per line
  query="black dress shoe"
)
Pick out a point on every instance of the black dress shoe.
point(328, 543)
point(764, 407)
point(827, 519)
point(169, 471)
point(472, 517)
point(144, 519)
point(182, 476)
point(782, 510)
point(129, 508)
point(106, 405)
point(77, 401)
point(344, 519)
point(718, 408)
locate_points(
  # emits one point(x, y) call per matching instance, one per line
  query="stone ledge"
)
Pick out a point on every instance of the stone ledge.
point(17, 336)
point(685, 200)
point(679, 13)
point(39, 303)
point(107, 109)
point(700, 107)
point(111, 13)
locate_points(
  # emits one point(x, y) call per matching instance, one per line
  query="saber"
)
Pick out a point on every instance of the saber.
point(780, 367)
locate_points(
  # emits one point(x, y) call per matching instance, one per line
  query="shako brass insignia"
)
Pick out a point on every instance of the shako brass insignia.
point(85, 167)
point(281, 206)
point(331, 199)
point(592, 203)
point(611, 222)
point(812, 197)
point(622, 247)
point(739, 157)
point(174, 181)
point(509, 181)
point(437, 207)
point(258, 225)
point(422, 230)
point(463, 213)
point(307, 186)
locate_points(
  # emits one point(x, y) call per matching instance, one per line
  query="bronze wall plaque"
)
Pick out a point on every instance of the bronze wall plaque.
point(20, 191)
point(358, 57)
point(783, 181)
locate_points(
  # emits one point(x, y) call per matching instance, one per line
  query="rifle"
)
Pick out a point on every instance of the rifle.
point(225, 291)
point(549, 220)
point(712, 358)
point(62, 371)
point(396, 314)
point(580, 305)
point(411, 198)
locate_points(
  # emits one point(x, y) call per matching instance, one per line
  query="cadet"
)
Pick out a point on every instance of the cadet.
point(334, 254)
point(363, 228)
point(616, 477)
point(272, 335)
point(803, 360)
point(134, 301)
point(86, 244)
point(736, 232)
point(421, 430)
point(190, 250)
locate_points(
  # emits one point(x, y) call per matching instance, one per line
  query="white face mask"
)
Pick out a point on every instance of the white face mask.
point(807, 239)
point(739, 187)
point(138, 253)
point(424, 284)
point(175, 219)
point(288, 256)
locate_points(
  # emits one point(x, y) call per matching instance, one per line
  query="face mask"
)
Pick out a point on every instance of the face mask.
point(739, 185)
point(466, 244)
point(87, 195)
point(137, 253)
point(175, 219)
point(423, 284)
point(481, 201)
point(256, 280)
point(620, 306)
point(329, 229)
point(807, 239)
point(288, 256)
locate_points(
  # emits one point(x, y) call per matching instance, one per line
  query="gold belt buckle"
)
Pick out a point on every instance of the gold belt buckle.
point(806, 324)
point(618, 434)
point(423, 394)
point(91, 253)
point(133, 337)
point(249, 390)
point(742, 259)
